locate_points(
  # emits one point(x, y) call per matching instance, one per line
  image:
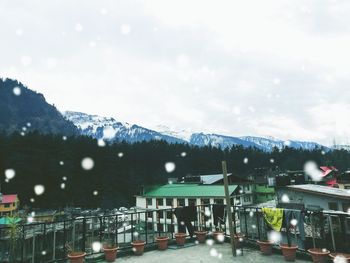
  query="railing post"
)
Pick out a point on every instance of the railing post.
point(258, 222)
point(116, 230)
point(84, 234)
point(23, 242)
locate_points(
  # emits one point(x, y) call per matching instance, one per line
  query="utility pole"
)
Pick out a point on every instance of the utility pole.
point(228, 208)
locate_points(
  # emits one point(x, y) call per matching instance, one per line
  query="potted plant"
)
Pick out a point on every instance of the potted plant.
point(265, 246)
point(110, 250)
point(75, 256)
point(201, 236)
point(319, 255)
point(289, 251)
point(238, 237)
point(219, 235)
point(138, 246)
point(162, 242)
point(340, 257)
point(180, 238)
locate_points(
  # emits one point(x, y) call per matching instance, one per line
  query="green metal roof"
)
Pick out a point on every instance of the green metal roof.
point(188, 190)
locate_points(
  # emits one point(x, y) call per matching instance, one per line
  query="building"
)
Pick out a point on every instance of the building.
point(184, 194)
point(8, 204)
point(313, 197)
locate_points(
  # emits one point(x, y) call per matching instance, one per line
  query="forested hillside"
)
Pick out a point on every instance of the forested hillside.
point(120, 169)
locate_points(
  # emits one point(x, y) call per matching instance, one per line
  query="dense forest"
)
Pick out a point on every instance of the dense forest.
point(120, 169)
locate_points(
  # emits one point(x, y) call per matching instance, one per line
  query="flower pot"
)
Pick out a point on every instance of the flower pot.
point(219, 236)
point(319, 255)
point(180, 238)
point(76, 257)
point(340, 257)
point(201, 236)
point(138, 246)
point(162, 242)
point(289, 252)
point(265, 247)
point(110, 253)
point(238, 239)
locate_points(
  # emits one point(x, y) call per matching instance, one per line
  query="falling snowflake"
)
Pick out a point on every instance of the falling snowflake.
point(207, 213)
point(29, 124)
point(96, 246)
point(39, 189)
point(95, 192)
point(17, 91)
point(311, 169)
point(136, 234)
point(109, 132)
point(64, 138)
point(285, 198)
point(19, 32)
point(183, 154)
point(23, 134)
point(272, 160)
point(24, 128)
point(26, 60)
point(340, 259)
point(276, 81)
point(245, 160)
point(10, 174)
point(274, 236)
point(61, 162)
point(323, 152)
point(213, 252)
point(120, 155)
point(78, 27)
point(125, 29)
point(287, 143)
point(43, 252)
point(210, 242)
point(30, 219)
point(64, 178)
point(101, 143)
point(103, 11)
point(63, 185)
point(87, 163)
point(32, 200)
point(251, 213)
point(170, 167)
point(221, 237)
point(293, 222)
point(238, 252)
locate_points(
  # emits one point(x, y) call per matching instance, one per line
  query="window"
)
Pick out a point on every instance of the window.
point(180, 202)
point(219, 201)
point(150, 214)
point(160, 227)
point(149, 226)
point(169, 215)
point(247, 187)
point(160, 201)
point(346, 207)
point(247, 199)
point(7, 205)
point(161, 214)
point(169, 202)
point(333, 206)
point(192, 201)
point(205, 201)
point(149, 201)
point(170, 228)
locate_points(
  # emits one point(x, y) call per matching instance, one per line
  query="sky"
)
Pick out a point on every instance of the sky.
point(263, 68)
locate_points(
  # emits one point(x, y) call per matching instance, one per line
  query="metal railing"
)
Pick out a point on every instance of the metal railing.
point(45, 242)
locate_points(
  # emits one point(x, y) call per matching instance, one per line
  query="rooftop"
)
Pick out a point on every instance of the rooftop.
point(321, 190)
point(204, 254)
point(6, 199)
point(212, 178)
point(188, 190)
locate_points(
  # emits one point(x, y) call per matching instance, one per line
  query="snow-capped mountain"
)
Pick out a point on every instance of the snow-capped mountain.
point(108, 128)
point(96, 127)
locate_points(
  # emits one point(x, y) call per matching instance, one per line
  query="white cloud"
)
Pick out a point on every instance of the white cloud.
point(277, 68)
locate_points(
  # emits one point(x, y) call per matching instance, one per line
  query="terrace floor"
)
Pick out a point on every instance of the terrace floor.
point(204, 254)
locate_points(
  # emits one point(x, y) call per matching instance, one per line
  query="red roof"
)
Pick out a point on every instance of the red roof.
point(327, 170)
point(8, 199)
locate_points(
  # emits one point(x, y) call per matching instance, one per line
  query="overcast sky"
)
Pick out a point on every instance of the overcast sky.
point(266, 68)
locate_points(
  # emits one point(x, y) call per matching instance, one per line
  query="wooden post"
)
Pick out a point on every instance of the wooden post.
point(228, 207)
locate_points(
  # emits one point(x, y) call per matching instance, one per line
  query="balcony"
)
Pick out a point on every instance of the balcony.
point(204, 254)
point(45, 242)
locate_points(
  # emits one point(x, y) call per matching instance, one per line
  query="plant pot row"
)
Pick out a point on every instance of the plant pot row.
point(78, 257)
point(289, 252)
